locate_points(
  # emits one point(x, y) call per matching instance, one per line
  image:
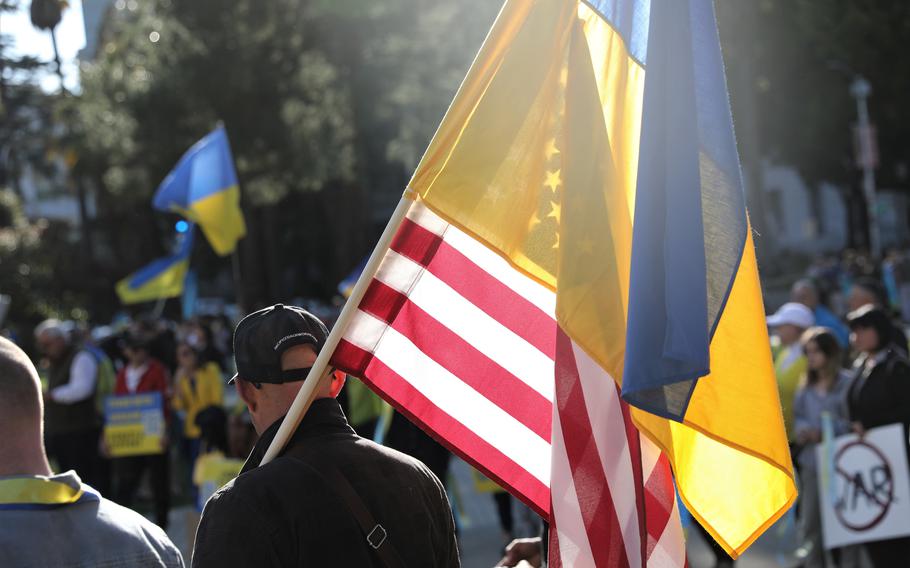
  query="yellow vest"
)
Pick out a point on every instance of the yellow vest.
point(207, 391)
point(789, 371)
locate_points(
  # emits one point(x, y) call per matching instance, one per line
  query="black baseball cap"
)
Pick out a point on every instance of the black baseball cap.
point(263, 336)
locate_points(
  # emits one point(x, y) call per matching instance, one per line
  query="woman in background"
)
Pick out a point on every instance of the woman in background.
point(879, 395)
point(197, 386)
point(823, 391)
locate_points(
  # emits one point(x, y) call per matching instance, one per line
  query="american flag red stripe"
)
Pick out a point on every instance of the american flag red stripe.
point(469, 349)
point(593, 494)
point(463, 360)
point(479, 287)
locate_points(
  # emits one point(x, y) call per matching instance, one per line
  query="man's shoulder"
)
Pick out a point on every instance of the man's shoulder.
point(95, 532)
point(255, 490)
point(369, 449)
point(301, 468)
point(131, 526)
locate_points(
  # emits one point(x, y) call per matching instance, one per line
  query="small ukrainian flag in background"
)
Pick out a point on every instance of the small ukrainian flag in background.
point(203, 188)
point(162, 278)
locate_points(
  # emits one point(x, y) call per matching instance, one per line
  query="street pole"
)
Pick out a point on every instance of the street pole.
point(860, 90)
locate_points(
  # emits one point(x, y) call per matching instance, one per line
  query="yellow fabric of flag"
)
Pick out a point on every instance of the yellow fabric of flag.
point(537, 158)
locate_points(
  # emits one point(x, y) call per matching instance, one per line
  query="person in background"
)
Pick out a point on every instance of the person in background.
point(197, 386)
point(901, 267)
point(788, 324)
point(56, 520)
point(805, 292)
point(879, 395)
point(823, 390)
point(159, 339)
point(213, 468)
point(869, 292)
point(72, 424)
point(199, 336)
point(144, 374)
point(408, 438)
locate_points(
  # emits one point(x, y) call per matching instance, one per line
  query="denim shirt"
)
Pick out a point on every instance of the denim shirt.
point(808, 408)
point(59, 521)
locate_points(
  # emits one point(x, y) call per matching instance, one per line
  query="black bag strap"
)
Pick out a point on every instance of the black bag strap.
point(376, 535)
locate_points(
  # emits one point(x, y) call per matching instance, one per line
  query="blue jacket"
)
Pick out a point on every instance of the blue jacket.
point(58, 521)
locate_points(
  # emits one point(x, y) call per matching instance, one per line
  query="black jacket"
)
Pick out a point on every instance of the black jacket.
point(880, 394)
point(285, 514)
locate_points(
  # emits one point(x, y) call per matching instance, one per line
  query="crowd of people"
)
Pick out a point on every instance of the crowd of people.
point(206, 434)
point(182, 363)
point(64, 418)
point(840, 357)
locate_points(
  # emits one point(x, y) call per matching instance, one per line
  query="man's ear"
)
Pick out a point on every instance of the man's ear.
point(247, 393)
point(338, 379)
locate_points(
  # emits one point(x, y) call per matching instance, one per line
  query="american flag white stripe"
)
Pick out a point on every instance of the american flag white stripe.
point(451, 395)
point(574, 548)
point(497, 267)
point(458, 314)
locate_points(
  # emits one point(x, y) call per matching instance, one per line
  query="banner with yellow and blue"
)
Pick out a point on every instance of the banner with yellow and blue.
point(162, 278)
point(203, 188)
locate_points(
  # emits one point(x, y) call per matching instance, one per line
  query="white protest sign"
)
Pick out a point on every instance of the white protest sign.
point(865, 487)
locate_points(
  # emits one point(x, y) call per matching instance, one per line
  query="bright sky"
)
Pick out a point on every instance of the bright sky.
point(30, 41)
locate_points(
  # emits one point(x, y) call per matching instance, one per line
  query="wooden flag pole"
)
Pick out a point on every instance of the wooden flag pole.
point(317, 375)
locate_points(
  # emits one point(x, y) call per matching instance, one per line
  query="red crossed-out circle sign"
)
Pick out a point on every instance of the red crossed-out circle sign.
point(866, 475)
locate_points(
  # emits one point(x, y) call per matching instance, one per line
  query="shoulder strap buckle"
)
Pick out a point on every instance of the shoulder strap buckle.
point(377, 536)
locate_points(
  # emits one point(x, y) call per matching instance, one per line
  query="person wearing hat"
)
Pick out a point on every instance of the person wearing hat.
point(331, 498)
point(878, 396)
point(789, 322)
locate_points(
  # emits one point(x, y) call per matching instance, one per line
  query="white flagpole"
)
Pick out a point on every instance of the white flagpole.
point(311, 385)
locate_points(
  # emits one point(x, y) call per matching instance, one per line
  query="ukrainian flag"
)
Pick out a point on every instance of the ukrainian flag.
point(162, 278)
point(203, 188)
point(591, 145)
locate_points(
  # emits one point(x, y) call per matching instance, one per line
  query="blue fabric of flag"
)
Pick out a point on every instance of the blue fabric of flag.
point(158, 266)
point(690, 223)
point(205, 169)
point(630, 19)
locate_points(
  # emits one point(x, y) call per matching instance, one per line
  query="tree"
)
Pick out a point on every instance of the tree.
point(167, 73)
point(327, 105)
point(789, 66)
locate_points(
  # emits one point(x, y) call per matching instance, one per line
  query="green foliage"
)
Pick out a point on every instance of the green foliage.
point(317, 98)
point(167, 73)
point(37, 266)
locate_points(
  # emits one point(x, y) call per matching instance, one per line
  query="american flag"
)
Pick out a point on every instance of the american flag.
point(469, 348)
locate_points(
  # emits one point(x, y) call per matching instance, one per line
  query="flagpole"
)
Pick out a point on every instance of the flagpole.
point(311, 385)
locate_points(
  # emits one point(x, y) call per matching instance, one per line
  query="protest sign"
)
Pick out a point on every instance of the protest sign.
point(865, 487)
point(212, 471)
point(134, 424)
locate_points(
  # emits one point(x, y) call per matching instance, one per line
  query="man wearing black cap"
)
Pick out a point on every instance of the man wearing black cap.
point(331, 498)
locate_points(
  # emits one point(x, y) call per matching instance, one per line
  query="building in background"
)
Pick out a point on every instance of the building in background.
point(93, 12)
point(811, 221)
